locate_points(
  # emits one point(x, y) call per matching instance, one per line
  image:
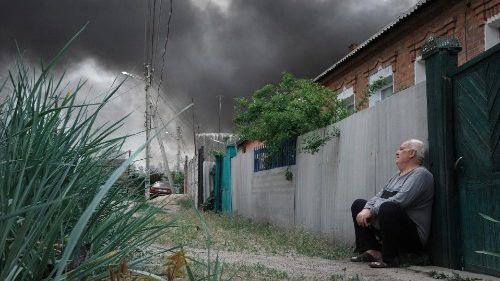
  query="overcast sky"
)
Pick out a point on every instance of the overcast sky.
point(216, 47)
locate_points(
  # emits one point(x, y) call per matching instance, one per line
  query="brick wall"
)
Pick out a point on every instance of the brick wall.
point(401, 45)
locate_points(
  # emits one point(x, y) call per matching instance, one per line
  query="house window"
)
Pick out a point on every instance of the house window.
point(492, 32)
point(419, 70)
point(387, 90)
point(347, 95)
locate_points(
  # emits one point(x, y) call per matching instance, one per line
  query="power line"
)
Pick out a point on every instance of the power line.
point(165, 45)
point(158, 26)
point(153, 32)
point(164, 54)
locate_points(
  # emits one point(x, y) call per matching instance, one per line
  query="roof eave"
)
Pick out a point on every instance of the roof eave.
point(381, 32)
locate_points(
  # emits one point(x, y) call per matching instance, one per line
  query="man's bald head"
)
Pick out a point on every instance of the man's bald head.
point(419, 148)
point(410, 154)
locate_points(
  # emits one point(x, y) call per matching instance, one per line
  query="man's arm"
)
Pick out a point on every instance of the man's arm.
point(370, 204)
point(414, 187)
point(376, 200)
point(365, 217)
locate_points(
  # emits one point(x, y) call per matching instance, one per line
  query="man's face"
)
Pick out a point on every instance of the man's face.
point(404, 155)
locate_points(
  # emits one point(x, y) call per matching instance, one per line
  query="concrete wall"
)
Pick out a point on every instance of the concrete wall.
point(264, 195)
point(241, 184)
point(273, 196)
point(208, 179)
point(192, 179)
point(354, 165)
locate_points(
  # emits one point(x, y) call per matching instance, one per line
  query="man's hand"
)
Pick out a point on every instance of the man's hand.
point(364, 218)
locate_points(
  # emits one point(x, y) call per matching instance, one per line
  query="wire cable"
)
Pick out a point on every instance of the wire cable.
point(164, 54)
point(158, 27)
point(166, 42)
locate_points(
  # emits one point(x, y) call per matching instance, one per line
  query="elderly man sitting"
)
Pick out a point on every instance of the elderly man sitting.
point(398, 218)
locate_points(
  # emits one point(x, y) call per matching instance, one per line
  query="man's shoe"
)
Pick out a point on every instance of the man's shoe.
point(363, 257)
point(382, 264)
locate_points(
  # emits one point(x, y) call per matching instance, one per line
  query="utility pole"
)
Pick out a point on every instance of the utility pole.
point(147, 78)
point(194, 130)
point(178, 167)
point(185, 174)
point(220, 110)
point(162, 149)
point(149, 108)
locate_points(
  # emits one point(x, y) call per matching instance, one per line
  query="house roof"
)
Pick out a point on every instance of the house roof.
point(384, 30)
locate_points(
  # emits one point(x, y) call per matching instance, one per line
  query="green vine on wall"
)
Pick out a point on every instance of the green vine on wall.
point(217, 152)
point(370, 90)
point(311, 143)
point(288, 174)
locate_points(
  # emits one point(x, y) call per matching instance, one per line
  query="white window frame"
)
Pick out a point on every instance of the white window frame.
point(492, 32)
point(382, 72)
point(346, 94)
point(419, 67)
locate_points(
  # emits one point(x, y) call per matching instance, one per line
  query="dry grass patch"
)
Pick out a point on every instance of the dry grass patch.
point(239, 234)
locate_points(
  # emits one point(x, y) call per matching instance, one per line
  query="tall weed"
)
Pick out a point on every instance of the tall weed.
point(61, 215)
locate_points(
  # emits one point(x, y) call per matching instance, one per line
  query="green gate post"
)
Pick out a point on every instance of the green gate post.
point(227, 200)
point(440, 55)
point(218, 184)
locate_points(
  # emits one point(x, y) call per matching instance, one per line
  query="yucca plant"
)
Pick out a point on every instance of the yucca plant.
point(489, 253)
point(61, 215)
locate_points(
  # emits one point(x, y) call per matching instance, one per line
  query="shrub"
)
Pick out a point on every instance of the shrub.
point(293, 107)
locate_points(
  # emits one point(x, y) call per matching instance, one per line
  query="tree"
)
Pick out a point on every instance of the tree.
point(276, 113)
point(178, 178)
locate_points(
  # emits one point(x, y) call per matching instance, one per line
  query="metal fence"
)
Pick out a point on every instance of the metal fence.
point(285, 157)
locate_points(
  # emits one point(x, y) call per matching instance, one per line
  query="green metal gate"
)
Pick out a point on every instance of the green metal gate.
point(227, 202)
point(476, 113)
point(222, 180)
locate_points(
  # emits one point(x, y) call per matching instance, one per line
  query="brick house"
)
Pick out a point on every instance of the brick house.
point(393, 54)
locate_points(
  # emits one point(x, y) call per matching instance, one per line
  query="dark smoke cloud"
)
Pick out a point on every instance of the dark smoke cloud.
point(211, 51)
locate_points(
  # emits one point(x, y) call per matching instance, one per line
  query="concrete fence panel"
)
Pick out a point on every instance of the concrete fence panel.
point(274, 196)
point(208, 180)
point(192, 179)
point(307, 195)
point(400, 117)
point(241, 183)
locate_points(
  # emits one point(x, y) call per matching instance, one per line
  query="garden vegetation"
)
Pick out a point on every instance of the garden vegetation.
point(293, 107)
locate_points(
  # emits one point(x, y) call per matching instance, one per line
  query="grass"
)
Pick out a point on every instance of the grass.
point(261, 272)
point(454, 277)
point(239, 234)
point(342, 277)
point(254, 272)
point(185, 203)
point(238, 271)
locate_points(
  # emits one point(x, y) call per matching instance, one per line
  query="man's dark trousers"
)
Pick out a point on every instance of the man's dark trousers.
point(398, 233)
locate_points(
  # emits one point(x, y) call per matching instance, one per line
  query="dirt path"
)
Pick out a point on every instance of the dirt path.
point(311, 268)
point(298, 267)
